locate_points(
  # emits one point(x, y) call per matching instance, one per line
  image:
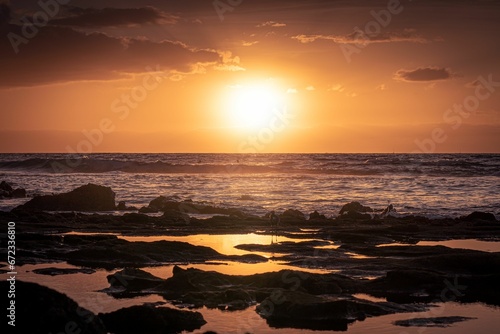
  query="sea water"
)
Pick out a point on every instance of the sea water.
point(432, 185)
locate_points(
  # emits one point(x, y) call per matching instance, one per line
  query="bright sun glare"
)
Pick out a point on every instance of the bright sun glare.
point(251, 106)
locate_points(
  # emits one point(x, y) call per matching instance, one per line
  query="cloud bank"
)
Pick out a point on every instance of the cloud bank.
point(113, 17)
point(423, 74)
point(359, 37)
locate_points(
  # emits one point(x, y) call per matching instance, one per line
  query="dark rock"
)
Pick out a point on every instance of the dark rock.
point(90, 197)
point(6, 187)
point(43, 310)
point(292, 214)
point(150, 319)
point(19, 193)
point(216, 290)
point(132, 279)
point(199, 288)
point(247, 258)
point(315, 215)
point(354, 215)
point(159, 203)
point(7, 191)
point(137, 218)
point(146, 209)
point(121, 206)
point(109, 252)
point(120, 253)
point(302, 247)
point(479, 288)
point(115, 253)
point(476, 215)
point(355, 207)
point(296, 309)
point(164, 204)
point(176, 216)
point(465, 262)
point(213, 210)
point(407, 286)
point(63, 271)
point(431, 322)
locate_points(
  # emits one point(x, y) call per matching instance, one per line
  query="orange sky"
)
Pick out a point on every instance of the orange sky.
point(262, 76)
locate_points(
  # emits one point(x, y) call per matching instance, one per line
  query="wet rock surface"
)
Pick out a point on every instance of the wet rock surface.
point(431, 322)
point(149, 319)
point(211, 289)
point(299, 310)
point(352, 244)
point(285, 298)
point(63, 271)
point(304, 247)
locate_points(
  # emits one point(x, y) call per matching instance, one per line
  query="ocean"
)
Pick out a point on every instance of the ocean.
point(437, 185)
point(431, 185)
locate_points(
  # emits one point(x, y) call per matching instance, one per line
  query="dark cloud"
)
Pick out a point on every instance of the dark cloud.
point(423, 74)
point(113, 17)
point(4, 13)
point(59, 54)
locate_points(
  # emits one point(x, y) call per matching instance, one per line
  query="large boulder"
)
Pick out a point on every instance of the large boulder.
point(355, 211)
point(6, 187)
point(150, 319)
point(39, 309)
point(7, 191)
point(477, 215)
point(90, 197)
point(291, 216)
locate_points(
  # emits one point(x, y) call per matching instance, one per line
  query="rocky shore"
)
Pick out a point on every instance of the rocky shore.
point(353, 245)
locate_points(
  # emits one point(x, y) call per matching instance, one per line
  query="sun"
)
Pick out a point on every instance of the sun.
point(252, 105)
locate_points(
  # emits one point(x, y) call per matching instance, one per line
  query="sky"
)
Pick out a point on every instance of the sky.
point(250, 76)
